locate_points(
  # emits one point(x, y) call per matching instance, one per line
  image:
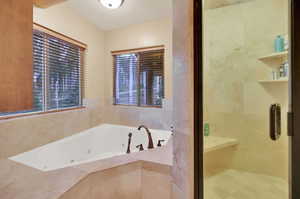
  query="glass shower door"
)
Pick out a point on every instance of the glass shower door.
point(246, 74)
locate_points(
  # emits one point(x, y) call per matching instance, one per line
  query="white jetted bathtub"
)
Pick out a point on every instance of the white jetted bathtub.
point(102, 142)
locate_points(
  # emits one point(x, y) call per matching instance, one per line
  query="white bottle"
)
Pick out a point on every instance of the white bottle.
point(281, 71)
point(274, 75)
point(286, 42)
point(286, 69)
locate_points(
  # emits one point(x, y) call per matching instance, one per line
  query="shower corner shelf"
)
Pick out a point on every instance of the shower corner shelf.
point(274, 81)
point(281, 55)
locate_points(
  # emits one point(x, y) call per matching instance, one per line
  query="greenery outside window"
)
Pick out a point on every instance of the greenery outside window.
point(139, 77)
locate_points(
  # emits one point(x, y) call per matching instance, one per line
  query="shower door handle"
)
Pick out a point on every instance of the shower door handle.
point(275, 121)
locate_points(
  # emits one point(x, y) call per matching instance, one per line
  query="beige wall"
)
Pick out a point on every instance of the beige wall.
point(136, 36)
point(22, 134)
point(236, 104)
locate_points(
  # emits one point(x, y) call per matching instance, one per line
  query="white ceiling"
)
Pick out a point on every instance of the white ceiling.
point(131, 12)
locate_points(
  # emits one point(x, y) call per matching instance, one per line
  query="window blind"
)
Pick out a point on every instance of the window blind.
point(139, 78)
point(57, 77)
point(126, 90)
point(151, 78)
point(39, 61)
point(63, 70)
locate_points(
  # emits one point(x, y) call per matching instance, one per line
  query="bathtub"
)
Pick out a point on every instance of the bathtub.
point(99, 143)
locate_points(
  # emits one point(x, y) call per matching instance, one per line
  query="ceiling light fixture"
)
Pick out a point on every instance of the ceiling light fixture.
point(112, 4)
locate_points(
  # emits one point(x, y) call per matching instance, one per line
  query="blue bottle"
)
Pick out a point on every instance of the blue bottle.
point(279, 44)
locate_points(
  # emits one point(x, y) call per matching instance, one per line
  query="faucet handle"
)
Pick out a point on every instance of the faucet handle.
point(159, 142)
point(172, 129)
point(140, 147)
point(129, 142)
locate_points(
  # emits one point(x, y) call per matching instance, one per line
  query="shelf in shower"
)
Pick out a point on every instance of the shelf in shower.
point(274, 81)
point(212, 143)
point(281, 56)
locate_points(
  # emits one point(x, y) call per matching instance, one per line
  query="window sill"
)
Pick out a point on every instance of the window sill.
point(39, 113)
point(124, 105)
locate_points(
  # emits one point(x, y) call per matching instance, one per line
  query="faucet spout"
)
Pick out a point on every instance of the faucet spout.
point(150, 144)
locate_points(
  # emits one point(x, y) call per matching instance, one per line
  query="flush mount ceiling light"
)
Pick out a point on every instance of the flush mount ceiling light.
point(112, 4)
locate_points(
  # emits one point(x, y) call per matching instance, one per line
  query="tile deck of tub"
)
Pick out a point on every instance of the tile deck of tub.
point(52, 184)
point(23, 182)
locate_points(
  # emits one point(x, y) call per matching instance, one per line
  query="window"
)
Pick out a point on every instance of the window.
point(139, 77)
point(57, 72)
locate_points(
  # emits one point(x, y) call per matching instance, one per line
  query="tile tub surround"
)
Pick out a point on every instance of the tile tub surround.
point(157, 118)
point(139, 180)
point(101, 142)
point(156, 181)
point(119, 182)
point(53, 184)
point(25, 133)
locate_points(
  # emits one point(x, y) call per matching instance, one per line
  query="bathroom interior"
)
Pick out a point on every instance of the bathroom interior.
point(86, 104)
point(110, 99)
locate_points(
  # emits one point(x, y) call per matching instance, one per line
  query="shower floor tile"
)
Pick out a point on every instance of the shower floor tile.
point(234, 184)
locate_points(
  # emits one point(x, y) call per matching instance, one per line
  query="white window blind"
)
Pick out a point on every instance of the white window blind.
point(139, 78)
point(38, 70)
point(60, 70)
point(63, 74)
